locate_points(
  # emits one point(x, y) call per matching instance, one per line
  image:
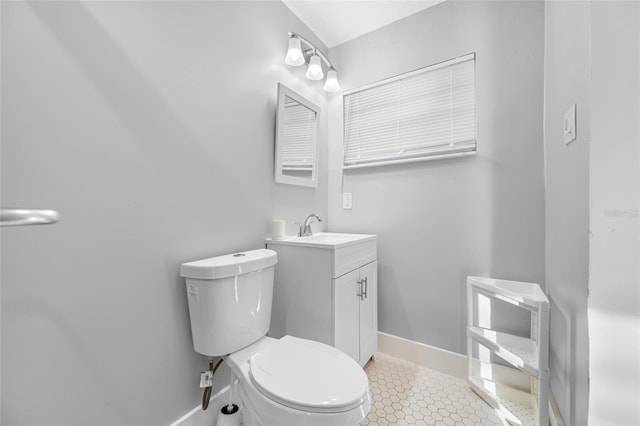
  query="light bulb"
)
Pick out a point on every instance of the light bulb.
point(314, 72)
point(331, 83)
point(294, 53)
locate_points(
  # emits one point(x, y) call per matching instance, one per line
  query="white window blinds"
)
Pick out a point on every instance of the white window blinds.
point(299, 136)
point(421, 115)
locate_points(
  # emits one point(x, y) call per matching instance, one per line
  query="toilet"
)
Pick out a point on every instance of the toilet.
point(281, 382)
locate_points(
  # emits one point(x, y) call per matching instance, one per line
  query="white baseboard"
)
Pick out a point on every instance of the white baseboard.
point(200, 417)
point(438, 359)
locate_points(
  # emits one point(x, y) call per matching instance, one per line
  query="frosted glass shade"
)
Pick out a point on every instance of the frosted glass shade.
point(331, 83)
point(314, 72)
point(294, 53)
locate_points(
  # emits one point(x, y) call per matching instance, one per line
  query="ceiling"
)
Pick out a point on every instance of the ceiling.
point(338, 21)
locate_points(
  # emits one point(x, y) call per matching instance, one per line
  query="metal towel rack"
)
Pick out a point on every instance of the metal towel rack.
point(25, 217)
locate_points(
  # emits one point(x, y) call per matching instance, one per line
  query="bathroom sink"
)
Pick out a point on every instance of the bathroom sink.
point(329, 240)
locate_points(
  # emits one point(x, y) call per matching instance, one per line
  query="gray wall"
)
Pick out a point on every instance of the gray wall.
point(442, 220)
point(149, 126)
point(614, 196)
point(567, 81)
point(592, 58)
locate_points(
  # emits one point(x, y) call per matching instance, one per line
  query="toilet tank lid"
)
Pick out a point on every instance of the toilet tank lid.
point(229, 265)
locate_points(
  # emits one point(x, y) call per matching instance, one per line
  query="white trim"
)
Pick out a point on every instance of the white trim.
point(408, 160)
point(438, 359)
point(199, 417)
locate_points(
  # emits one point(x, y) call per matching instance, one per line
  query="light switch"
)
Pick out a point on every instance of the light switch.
point(570, 125)
point(347, 200)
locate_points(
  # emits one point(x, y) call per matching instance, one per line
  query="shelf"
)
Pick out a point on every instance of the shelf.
point(518, 351)
point(530, 356)
point(517, 407)
point(528, 295)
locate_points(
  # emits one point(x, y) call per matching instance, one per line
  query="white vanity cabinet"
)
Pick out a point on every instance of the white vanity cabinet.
point(356, 318)
point(326, 290)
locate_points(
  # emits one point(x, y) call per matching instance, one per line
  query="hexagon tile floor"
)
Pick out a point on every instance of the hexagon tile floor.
point(404, 393)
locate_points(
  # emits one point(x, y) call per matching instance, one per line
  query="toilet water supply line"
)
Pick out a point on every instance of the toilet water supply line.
point(207, 390)
point(228, 409)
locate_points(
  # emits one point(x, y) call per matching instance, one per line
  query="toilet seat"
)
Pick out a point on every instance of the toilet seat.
point(307, 375)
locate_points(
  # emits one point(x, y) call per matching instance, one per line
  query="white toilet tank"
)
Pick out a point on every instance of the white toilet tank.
point(229, 300)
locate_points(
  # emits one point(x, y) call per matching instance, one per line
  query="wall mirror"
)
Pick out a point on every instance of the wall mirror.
point(296, 154)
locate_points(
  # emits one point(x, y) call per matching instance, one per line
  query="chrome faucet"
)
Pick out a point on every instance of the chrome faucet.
point(305, 230)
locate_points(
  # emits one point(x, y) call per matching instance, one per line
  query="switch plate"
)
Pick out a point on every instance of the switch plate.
point(569, 129)
point(347, 200)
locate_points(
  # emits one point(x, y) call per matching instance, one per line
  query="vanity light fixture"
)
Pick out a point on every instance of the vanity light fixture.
point(314, 71)
point(331, 83)
point(296, 56)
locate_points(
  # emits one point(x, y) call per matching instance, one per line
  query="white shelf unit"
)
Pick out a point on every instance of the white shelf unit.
point(520, 394)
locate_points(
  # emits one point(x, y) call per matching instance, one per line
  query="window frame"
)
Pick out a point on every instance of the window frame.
point(439, 151)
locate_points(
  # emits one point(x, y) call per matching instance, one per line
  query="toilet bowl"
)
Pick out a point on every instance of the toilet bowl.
point(298, 382)
point(281, 382)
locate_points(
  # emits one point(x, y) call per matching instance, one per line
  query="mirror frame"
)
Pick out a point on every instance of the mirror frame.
point(280, 177)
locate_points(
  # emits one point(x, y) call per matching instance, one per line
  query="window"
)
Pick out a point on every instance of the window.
point(425, 114)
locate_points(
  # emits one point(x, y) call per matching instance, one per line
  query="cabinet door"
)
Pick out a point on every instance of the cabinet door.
point(368, 312)
point(346, 314)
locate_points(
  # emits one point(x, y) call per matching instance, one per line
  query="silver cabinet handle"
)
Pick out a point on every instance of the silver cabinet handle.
point(18, 217)
point(365, 287)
